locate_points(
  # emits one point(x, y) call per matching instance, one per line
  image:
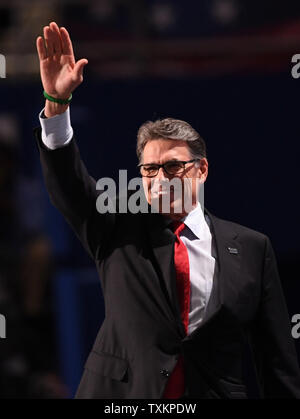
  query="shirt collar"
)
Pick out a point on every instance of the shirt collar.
point(196, 222)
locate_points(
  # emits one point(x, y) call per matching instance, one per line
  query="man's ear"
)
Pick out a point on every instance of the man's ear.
point(204, 163)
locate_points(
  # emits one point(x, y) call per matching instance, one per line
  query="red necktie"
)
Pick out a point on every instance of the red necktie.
point(175, 385)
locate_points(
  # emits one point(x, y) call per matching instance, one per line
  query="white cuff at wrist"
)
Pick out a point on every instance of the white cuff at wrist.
point(56, 130)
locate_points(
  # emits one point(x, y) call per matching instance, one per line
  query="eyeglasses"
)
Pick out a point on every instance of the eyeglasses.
point(172, 167)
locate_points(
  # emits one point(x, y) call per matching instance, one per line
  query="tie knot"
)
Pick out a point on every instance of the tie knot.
point(177, 226)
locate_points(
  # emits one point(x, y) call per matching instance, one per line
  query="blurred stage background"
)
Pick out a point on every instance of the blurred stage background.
point(222, 65)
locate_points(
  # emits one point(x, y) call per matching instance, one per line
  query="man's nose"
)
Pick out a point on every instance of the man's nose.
point(161, 174)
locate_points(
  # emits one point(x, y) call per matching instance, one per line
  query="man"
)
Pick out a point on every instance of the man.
point(185, 292)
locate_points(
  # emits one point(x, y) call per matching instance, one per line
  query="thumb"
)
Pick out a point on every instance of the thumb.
point(78, 69)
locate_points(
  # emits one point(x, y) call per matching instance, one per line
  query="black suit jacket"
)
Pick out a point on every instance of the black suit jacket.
point(142, 335)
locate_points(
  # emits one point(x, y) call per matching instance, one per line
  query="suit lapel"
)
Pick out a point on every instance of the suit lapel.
point(162, 242)
point(228, 253)
point(229, 256)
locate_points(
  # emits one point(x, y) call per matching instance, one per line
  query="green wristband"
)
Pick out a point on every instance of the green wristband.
point(60, 101)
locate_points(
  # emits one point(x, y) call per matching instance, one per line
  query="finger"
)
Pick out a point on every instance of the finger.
point(78, 69)
point(41, 49)
point(51, 37)
point(48, 40)
point(56, 38)
point(67, 47)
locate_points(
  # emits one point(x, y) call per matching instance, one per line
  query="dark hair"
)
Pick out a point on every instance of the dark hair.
point(170, 129)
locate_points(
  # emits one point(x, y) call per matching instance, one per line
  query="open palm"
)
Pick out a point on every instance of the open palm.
point(60, 73)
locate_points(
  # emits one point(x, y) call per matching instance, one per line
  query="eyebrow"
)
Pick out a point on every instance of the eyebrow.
point(167, 161)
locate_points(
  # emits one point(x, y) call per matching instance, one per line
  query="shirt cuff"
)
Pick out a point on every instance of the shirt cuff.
point(56, 130)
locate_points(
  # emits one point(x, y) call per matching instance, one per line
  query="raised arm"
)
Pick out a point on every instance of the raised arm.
point(71, 190)
point(60, 74)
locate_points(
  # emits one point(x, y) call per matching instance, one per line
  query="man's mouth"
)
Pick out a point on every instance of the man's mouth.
point(159, 193)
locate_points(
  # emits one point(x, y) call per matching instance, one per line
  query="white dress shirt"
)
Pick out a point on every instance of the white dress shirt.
point(57, 132)
point(197, 238)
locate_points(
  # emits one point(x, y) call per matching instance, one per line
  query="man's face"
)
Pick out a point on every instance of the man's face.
point(161, 151)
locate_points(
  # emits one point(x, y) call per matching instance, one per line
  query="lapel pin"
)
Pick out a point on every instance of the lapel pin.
point(233, 250)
